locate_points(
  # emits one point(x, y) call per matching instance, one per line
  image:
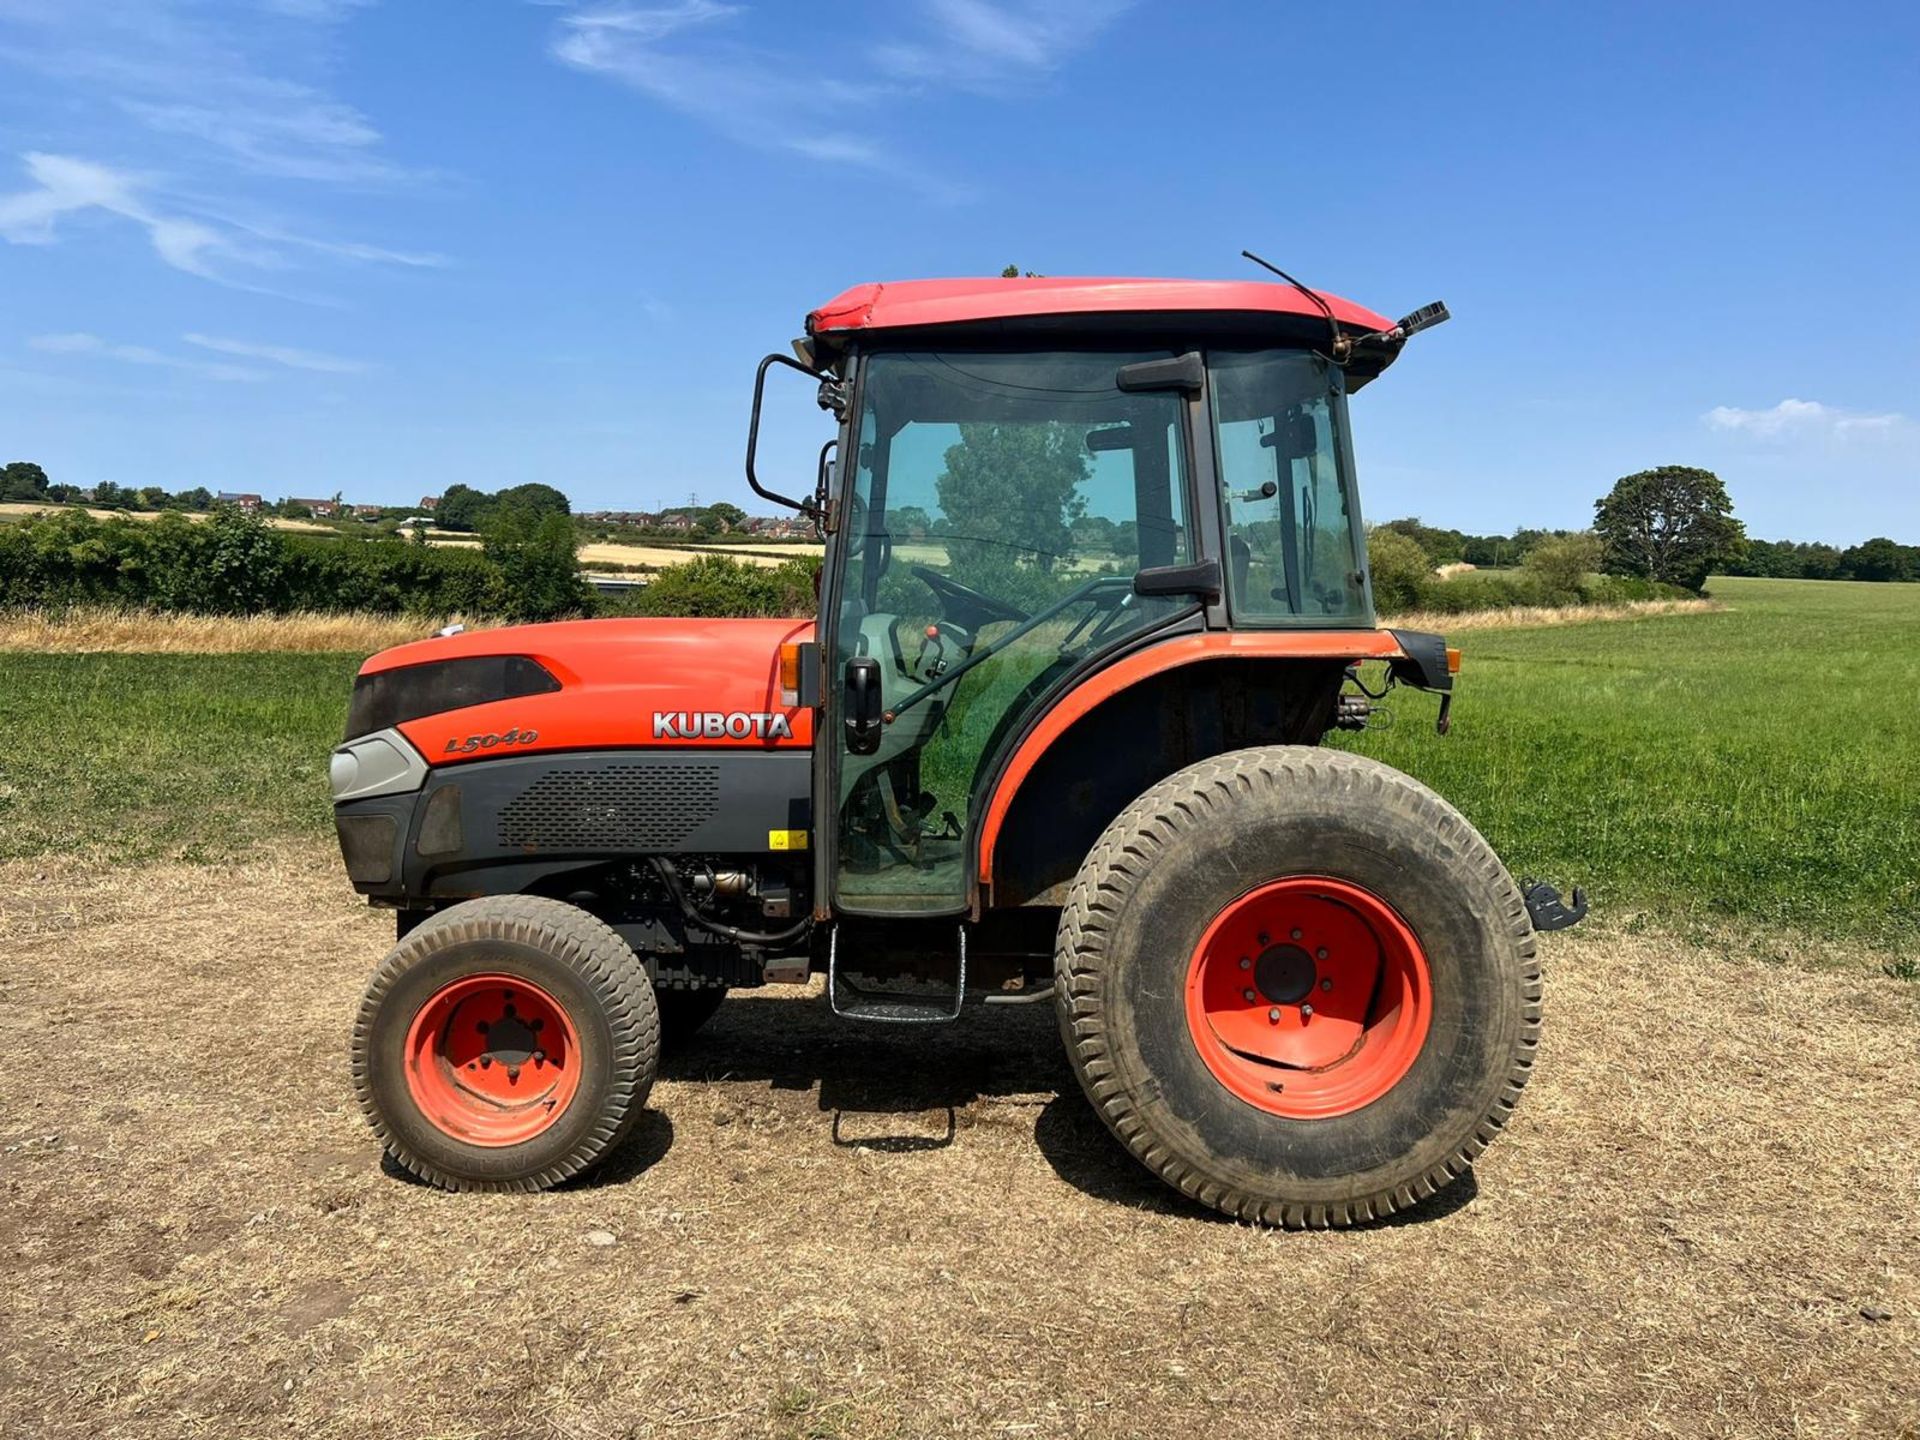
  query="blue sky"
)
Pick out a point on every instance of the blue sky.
point(380, 246)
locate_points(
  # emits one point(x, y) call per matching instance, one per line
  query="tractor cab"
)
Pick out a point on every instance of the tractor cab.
point(1033, 478)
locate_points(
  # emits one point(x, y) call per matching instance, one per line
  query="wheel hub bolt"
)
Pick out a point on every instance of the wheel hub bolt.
point(1306, 1012)
point(1274, 1016)
point(1246, 962)
point(1326, 984)
point(1265, 939)
point(1321, 952)
point(1296, 934)
point(486, 1062)
point(513, 1072)
point(1249, 996)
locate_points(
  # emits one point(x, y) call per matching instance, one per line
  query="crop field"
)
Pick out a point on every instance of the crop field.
point(20, 510)
point(1702, 1222)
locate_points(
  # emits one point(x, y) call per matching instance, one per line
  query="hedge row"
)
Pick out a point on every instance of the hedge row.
point(232, 564)
point(1558, 571)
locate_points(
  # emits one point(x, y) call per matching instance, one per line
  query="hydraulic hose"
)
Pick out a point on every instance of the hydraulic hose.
point(671, 879)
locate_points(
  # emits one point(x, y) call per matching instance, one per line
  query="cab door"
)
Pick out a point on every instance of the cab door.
point(996, 509)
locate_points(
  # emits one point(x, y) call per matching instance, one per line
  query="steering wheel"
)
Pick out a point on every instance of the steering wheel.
point(964, 605)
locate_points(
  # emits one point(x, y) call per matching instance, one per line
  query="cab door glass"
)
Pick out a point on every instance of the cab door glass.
point(1293, 548)
point(1001, 505)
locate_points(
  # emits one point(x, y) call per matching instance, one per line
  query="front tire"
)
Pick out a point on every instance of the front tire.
point(508, 1043)
point(1298, 986)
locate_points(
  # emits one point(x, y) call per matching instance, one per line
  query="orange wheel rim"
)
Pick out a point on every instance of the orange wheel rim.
point(492, 1060)
point(1309, 997)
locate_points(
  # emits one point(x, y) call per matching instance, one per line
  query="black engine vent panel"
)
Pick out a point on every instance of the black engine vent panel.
point(611, 807)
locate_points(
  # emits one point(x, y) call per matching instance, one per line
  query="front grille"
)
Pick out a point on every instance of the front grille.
point(613, 807)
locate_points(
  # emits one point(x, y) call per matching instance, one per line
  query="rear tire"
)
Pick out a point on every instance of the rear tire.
point(1377, 895)
point(508, 1043)
point(682, 1012)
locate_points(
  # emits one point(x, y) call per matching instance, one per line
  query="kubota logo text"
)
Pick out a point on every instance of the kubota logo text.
point(713, 725)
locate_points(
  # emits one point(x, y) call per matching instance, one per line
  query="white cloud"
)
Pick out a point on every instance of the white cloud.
point(225, 96)
point(280, 355)
point(1795, 419)
point(689, 56)
point(977, 45)
point(684, 56)
point(66, 186)
point(81, 343)
point(210, 246)
point(186, 70)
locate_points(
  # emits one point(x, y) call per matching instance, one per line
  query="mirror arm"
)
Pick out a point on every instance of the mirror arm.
point(805, 507)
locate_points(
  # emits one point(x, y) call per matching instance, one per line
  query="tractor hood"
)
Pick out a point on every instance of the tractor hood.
point(586, 685)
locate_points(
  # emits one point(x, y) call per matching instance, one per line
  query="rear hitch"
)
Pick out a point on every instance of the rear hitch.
point(1547, 910)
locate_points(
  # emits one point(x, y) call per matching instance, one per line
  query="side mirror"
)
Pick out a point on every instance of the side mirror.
point(823, 482)
point(1201, 581)
point(753, 427)
point(863, 706)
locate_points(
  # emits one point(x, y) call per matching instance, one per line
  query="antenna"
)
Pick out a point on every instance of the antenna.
point(1342, 346)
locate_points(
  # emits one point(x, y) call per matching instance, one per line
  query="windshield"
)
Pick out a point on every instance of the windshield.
point(1293, 526)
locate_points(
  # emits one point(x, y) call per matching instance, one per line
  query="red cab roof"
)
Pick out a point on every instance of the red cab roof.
point(905, 304)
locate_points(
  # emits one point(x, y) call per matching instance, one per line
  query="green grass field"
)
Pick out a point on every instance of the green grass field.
point(166, 756)
point(1757, 767)
point(1759, 764)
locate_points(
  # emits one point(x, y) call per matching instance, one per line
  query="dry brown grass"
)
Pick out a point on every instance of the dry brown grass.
point(103, 629)
point(1535, 617)
point(1712, 1175)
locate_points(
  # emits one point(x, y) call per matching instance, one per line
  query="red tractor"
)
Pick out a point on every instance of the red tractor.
point(1095, 587)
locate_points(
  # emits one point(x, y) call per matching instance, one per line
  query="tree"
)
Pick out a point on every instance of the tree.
point(1562, 563)
point(109, 496)
point(23, 480)
point(1881, 559)
point(1401, 570)
point(460, 508)
point(1011, 492)
point(728, 516)
point(539, 572)
point(1673, 524)
point(238, 562)
point(1443, 547)
point(533, 497)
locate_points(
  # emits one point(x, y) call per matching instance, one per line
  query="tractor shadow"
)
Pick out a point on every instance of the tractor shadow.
point(901, 1089)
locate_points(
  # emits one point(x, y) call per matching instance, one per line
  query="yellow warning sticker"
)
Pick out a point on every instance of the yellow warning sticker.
point(786, 839)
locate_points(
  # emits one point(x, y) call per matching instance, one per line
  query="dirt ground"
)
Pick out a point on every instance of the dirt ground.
point(1703, 1223)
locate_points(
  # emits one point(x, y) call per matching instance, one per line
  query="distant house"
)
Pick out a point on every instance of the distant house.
point(367, 512)
point(244, 501)
point(319, 509)
point(781, 527)
point(429, 503)
point(674, 522)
